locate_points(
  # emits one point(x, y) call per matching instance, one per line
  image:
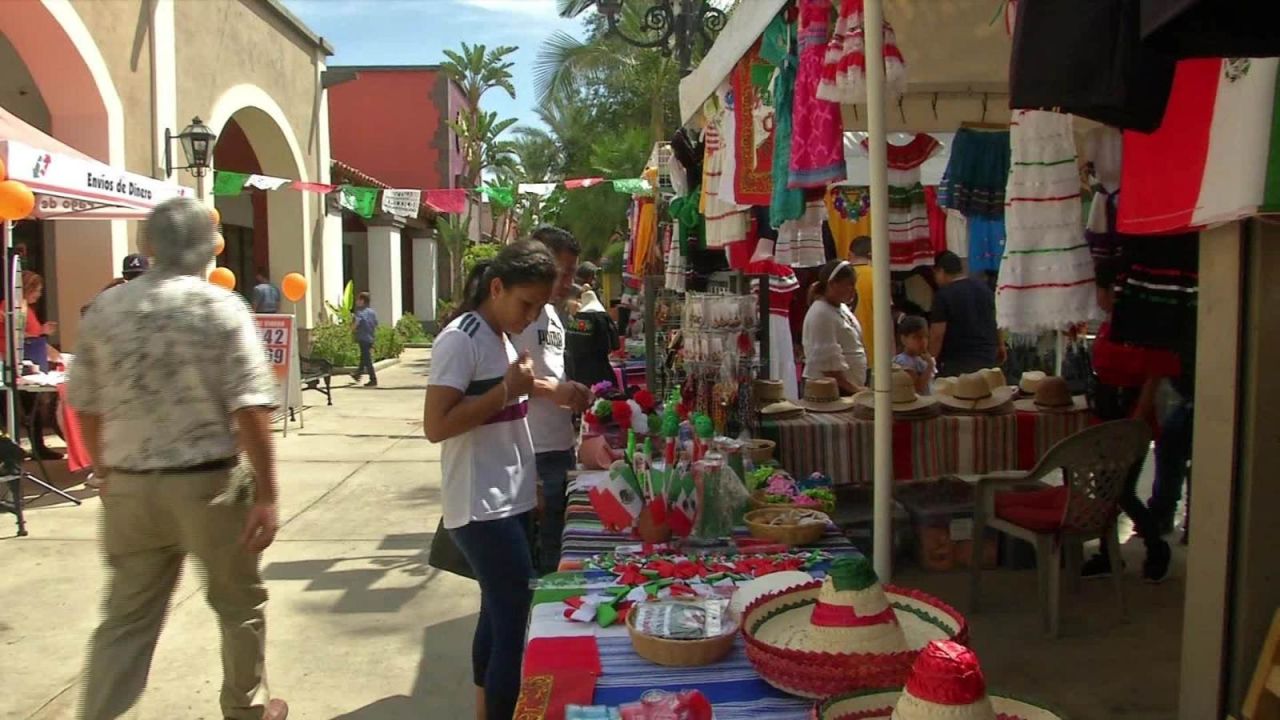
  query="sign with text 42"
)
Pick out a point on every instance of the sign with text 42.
point(280, 341)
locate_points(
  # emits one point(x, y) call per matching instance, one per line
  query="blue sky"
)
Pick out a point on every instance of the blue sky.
point(416, 32)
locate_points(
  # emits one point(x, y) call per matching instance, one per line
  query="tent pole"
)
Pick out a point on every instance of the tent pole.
point(884, 336)
point(10, 333)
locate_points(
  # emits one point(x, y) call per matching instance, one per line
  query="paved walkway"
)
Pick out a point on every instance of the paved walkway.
point(360, 628)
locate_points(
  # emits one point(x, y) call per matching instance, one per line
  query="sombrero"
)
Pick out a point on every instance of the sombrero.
point(905, 399)
point(944, 386)
point(845, 633)
point(823, 395)
point(945, 682)
point(994, 377)
point(973, 393)
point(1053, 395)
point(781, 410)
point(1030, 382)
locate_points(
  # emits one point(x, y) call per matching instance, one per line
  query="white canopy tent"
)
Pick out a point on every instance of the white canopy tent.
point(957, 54)
point(68, 185)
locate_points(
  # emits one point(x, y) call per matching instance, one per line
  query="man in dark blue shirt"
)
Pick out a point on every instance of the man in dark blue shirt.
point(962, 325)
point(364, 327)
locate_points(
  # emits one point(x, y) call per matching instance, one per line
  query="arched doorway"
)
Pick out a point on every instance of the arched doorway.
point(265, 230)
point(53, 76)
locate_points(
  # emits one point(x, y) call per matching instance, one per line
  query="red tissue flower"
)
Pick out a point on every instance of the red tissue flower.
point(621, 414)
point(645, 400)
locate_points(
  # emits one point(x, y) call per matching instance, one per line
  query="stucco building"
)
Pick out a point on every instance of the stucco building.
point(109, 78)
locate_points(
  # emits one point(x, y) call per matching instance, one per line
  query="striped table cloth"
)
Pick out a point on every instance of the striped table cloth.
point(732, 685)
point(841, 445)
point(584, 536)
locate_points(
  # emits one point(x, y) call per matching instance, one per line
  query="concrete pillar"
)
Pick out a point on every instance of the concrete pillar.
point(385, 284)
point(87, 255)
point(331, 281)
point(425, 267)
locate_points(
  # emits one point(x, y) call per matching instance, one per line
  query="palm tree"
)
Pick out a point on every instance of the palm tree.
point(478, 70)
point(566, 64)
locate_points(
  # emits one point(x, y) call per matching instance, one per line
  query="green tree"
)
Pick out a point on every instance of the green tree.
point(477, 70)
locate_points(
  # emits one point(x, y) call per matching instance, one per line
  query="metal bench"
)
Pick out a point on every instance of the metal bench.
point(317, 375)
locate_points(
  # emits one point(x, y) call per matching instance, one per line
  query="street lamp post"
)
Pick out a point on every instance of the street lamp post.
point(669, 25)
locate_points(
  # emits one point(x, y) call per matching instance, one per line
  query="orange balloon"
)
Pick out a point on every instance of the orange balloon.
point(16, 200)
point(219, 243)
point(294, 286)
point(2, 175)
point(223, 278)
point(217, 216)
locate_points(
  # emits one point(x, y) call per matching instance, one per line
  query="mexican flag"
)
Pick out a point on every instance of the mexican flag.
point(683, 510)
point(1208, 162)
point(616, 498)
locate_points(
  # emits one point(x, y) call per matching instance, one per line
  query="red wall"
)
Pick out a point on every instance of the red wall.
point(387, 124)
point(234, 153)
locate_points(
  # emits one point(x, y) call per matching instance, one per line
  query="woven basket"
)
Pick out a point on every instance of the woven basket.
point(679, 653)
point(761, 451)
point(757, 523)
point(878, 704)
point(757, 502)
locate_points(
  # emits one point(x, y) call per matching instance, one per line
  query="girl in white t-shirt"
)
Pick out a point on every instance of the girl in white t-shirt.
point(477, 401)
point(832, 336)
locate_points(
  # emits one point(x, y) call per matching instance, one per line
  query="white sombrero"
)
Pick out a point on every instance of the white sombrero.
point(823, 395)
point(1030, 382)
point(973, 393)
point(905, 399)
point(945, 683)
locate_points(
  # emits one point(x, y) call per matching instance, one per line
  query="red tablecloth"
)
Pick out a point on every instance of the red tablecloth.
point(840, 444)
point(77, 454)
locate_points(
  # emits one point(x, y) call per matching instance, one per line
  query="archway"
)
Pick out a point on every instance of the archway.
point(56, 80)
point(265, 229)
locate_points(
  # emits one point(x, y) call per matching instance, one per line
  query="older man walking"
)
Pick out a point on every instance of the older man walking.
point(171, 380)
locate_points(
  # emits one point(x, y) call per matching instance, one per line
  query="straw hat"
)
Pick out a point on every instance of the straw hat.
point(1053, 395)
point(781, 410)
point(843, 634)
point(973, 393)
point(944, 386)
point(823, 395)
point(905, 398)
point(945, 682)
point(852, 615)
point(995, 378)
point(1030, 380)
point(769, 391)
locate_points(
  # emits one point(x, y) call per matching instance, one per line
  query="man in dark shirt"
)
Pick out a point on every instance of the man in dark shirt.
point(962, 331)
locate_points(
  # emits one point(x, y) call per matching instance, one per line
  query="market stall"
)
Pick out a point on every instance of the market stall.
point(44, 179)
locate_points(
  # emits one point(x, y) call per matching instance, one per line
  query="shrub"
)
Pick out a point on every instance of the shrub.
point(387, 344)
point(444, 309)
point(332, 341)
point(475, 253)
point(410, 329)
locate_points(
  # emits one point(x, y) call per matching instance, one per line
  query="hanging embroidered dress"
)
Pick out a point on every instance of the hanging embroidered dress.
point(779, 47)
point(844, 67)
point(726, 221)
point(799, 243)
point(909, 243)
point(1046, 276)
point(817, 138)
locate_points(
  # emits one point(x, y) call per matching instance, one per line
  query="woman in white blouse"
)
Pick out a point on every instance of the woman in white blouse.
point(832, 336)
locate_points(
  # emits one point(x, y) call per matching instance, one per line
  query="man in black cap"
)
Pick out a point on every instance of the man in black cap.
point(134, 265)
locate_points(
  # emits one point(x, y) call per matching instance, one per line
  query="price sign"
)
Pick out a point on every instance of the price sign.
point(280, 342)
point(276, 332)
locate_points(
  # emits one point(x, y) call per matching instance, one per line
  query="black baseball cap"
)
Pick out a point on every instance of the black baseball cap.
point(134, 265)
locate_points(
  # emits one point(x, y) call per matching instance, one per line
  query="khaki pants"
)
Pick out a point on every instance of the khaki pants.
point(150, 524)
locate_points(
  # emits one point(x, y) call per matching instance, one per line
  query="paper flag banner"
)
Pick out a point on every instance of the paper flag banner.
point(633, 186)
point(500, 197)
point(450, 202)
point(228, 183)
point(265, 182)
point(580, 183)
point(321, 188)
point(403, 203)
point(361, 201)
point(539, 189)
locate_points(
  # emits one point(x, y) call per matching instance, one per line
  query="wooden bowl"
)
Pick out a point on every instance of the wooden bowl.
point(758, 523)
point(760, 451)
point(679, 653)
